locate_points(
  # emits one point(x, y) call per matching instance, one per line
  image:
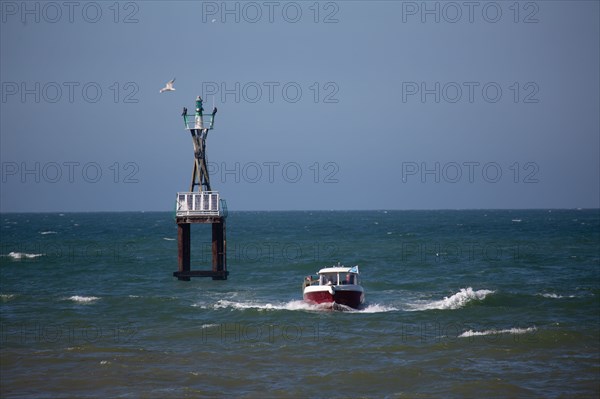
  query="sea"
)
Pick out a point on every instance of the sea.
point(459, 304)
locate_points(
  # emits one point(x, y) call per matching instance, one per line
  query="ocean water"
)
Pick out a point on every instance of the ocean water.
point(482, 303)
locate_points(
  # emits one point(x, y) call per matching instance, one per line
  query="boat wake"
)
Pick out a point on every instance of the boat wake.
point(375, 308)
point(472, 333)
point(22, 255)
point(456, 301)
point(295, 305)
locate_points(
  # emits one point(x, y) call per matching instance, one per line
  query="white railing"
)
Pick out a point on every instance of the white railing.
point(198, 203)
point(208, 121)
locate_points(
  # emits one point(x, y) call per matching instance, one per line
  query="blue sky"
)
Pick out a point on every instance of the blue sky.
point(322, 105)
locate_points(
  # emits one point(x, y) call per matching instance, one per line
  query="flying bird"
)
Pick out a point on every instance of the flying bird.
point(169, 86)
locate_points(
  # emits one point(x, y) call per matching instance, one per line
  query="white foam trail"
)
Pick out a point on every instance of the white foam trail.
point(83, 299)
point(472, 333)
point(6, 297)
point(168, 239)
point(456, 301)
point(377, 308)
point(47, 232)
point(556, 296)
point(294, 306)
point(21, 255)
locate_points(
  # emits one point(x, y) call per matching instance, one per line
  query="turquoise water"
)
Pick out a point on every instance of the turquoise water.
point(459, 304)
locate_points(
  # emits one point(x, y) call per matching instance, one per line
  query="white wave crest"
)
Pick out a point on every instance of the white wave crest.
point(168, 239)
point(22, 255)
point(83, 299)
point(472, 333)
point(47, 232)
point(294, 305)
point(377, 308)
point(556, 296)
point(456, 301)
point(6, 297)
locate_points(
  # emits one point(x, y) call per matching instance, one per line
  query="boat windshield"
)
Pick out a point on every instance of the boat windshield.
point(349, 278)
point(329, 278)
point(338, 278)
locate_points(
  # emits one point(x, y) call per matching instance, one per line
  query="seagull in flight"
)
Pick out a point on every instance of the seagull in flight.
point(169, 86)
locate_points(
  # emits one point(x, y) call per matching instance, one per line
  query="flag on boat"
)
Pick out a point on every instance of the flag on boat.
point(353, 269)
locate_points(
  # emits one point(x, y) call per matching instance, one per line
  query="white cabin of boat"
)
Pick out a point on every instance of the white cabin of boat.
point(337, 275)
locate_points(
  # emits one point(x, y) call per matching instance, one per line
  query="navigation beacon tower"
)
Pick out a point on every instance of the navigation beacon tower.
point(202, 205)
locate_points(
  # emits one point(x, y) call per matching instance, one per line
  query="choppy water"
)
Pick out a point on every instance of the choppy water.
point(459, 304)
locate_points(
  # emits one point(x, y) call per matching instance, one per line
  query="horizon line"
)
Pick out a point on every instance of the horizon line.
point(314, 210)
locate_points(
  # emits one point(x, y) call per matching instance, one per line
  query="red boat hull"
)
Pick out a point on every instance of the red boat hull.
point(349, 298)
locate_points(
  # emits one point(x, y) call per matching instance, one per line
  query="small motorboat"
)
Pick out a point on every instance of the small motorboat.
point(337, 285)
